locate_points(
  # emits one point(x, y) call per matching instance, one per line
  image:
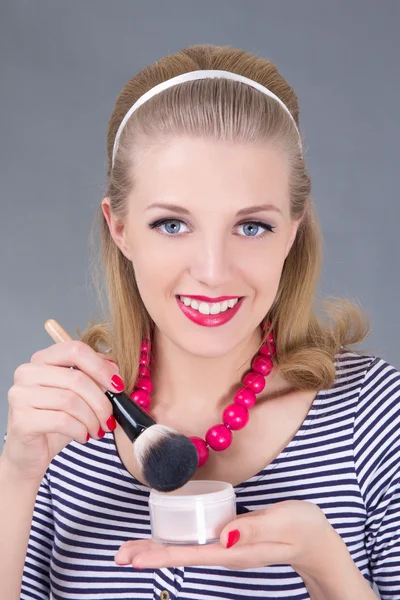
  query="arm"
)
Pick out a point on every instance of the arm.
point(377, 462)
point(335, 576)
point(20, 501)
point(17, 501)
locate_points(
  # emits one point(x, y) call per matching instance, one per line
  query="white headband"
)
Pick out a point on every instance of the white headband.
point(191, 76)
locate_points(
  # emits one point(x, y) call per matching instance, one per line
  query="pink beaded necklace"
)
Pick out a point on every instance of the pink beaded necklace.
point(235, 415)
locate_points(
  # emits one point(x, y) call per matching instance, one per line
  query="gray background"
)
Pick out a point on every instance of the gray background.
point(62, 66)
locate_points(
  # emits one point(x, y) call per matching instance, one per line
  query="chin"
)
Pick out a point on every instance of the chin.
point(210, 343)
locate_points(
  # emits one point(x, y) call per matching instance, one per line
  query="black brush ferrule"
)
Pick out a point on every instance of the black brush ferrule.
point(132, 418)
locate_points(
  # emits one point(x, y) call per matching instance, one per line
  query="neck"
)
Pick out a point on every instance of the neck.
point(189, 384)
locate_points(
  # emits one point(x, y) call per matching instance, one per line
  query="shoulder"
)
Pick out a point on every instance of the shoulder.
point(380, 387)
point(376, 437)
point(376, 431)
point(372, 377)
point(372, 385)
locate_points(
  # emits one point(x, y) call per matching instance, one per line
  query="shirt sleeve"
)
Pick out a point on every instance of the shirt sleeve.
point(377, 461)
point(36, 575)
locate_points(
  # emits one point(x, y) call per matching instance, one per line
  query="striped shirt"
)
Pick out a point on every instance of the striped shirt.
point(345, 458)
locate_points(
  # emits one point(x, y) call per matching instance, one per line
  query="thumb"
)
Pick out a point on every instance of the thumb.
point(245, 529)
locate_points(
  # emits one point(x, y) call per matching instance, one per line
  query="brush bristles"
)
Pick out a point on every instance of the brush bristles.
point(167, 458)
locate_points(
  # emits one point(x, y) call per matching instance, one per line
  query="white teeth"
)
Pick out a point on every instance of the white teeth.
point(215, 309)
point(204, 308)
point(209, 308)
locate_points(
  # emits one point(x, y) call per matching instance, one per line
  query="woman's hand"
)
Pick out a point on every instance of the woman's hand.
point(293, 532)
point(50, 405)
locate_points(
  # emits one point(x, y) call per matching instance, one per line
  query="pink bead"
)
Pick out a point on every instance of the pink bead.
point(254, 381)
point(245, 397)
point(262, 364)
point(144, 383)
point(270, 339)
point(141, 397)
point(202, 450)
point(144, 371)
point(219, 437)
point(235, 416)
point(267, 351)
point(144, 359)
point(145, 347)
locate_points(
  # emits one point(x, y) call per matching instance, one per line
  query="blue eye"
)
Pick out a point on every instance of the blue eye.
point(256, 228)
point(172, 226)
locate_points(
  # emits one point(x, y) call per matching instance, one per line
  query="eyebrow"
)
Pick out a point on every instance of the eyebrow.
point(244, 211)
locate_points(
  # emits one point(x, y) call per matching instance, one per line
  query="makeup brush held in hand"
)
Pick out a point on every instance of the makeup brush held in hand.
point(167, 458)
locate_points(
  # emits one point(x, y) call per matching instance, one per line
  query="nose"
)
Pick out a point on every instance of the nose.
point(211, 263)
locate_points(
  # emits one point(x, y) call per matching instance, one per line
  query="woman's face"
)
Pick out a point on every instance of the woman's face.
point(207, 219)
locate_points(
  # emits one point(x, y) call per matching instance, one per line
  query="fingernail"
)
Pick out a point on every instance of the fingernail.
point(117, 382)
point(233, 538)
point(88, 437)
point(111, 423)
point(100, 433)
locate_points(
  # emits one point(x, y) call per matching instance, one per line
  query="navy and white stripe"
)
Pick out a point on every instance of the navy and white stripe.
point(345, 458)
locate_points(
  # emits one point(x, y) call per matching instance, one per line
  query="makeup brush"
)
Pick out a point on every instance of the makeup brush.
point(167, 458)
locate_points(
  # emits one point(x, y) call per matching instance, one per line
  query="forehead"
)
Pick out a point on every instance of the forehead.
point(192, 170)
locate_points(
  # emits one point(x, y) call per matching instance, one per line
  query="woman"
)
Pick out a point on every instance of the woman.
point(208, 210)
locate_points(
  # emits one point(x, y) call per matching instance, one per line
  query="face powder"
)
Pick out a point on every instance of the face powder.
point(194, 514)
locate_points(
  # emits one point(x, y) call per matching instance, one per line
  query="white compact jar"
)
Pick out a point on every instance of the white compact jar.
point(194, 514)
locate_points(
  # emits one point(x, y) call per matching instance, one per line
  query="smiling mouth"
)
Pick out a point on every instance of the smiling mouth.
point(210, 308)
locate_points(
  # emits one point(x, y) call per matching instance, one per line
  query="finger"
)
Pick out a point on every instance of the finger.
point(109, 360)
point(30, 423)
point(152, 556)
point(67, 401)
point(79, 354)
point(254, 528)
point(129, 549)
point(277, 523)
point(146, 553)
point(78, 394)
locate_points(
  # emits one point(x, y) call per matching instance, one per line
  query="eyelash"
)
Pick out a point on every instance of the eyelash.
point(267, 228)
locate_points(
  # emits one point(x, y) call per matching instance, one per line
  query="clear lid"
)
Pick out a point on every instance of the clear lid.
point(193, 492)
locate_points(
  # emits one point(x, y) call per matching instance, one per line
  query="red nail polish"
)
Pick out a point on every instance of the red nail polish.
point(111, 423)
point(117, 383)
point(112, 361)
point(100, 433)
point(233, 538)
point(88, 437)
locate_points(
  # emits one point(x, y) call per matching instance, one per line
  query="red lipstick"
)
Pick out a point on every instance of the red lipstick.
point(208, 299)
point(209, 320)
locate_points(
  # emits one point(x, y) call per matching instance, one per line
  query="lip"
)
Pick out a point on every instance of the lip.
point(208, 299)
point(209, 320)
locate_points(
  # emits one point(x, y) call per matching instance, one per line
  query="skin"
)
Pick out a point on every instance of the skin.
point(211, 255)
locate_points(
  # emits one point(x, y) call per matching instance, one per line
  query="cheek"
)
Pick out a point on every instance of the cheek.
point(157, 268)
point(263, 267)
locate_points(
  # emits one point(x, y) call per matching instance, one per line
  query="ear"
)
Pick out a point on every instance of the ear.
point(293, 232)
point(117, 228)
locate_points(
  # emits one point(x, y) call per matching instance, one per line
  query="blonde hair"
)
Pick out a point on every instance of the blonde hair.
point(224, 110)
